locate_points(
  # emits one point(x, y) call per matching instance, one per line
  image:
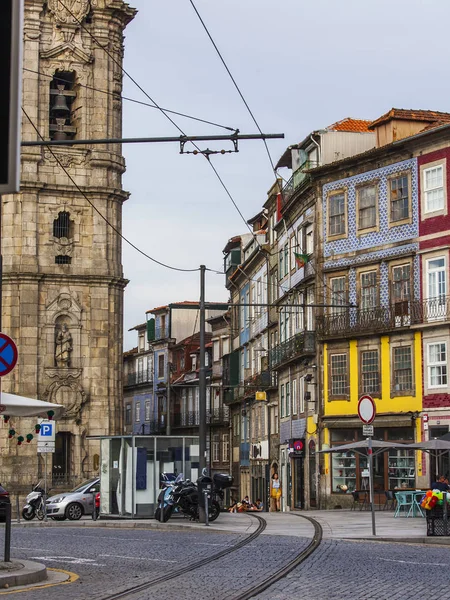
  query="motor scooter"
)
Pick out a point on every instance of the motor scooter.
point(35, 505)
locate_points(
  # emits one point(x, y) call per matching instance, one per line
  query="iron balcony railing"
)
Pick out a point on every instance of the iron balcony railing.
point(431, 310)
point(354, 321)
point(299, 178)
point(186, 419)
point(137, 378)
point(299, 344)
point(219, 416)
point(152, 427)
point(161, 333)
point(260, 380)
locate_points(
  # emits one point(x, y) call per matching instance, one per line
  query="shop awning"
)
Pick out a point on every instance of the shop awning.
point(380, 421)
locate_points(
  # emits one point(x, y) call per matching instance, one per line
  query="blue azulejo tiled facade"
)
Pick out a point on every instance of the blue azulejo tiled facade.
point(385, 235)
point(387, 243)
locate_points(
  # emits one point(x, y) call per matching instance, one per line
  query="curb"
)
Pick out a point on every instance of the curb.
point(24, 573)
point(436, 540)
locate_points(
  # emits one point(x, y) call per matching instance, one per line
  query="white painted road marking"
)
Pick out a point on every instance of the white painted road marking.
point(411, 562)
point(137, 558)
point(71, 560)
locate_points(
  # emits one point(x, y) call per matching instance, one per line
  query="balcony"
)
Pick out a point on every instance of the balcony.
point(431, 311)
point(355, 321)
point(298, 179)
point(138, 378)
point(161, 333)
point(298, 345)
point(186, 419)
point(219, 416)
point(261, 381)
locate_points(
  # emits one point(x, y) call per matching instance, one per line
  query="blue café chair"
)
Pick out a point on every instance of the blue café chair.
point(404, 501)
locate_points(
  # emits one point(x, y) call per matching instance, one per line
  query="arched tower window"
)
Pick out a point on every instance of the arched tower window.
point(62, 96)
point(63, 226)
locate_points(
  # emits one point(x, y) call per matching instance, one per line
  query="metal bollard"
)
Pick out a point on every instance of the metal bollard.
point(18, 508)
point(205, 492)
point(7, 554)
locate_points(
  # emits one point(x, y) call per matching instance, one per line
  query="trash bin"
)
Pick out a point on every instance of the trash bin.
point(437, 522)
point(204, 484)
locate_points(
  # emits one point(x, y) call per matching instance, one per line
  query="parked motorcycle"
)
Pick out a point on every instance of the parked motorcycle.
point(182, 496)
point(35, 506)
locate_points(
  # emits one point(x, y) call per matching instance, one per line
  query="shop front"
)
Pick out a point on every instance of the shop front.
point(133, 467)
point(347, 472)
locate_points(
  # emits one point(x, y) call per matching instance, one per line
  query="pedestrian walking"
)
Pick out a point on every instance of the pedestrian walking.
point(275, 493)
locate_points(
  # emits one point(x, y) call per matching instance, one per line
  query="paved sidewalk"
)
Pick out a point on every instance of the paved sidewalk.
point(336, 524)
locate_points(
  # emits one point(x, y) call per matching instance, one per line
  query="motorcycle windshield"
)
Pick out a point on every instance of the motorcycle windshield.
point(179, 478)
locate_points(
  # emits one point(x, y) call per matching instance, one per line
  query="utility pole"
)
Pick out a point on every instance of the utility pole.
point(202, 389)
point(202, 374)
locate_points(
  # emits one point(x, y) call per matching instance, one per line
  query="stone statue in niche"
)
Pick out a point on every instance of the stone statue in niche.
point(63, 347)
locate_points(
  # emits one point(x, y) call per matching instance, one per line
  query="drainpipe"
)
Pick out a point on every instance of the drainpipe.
point(319, 152)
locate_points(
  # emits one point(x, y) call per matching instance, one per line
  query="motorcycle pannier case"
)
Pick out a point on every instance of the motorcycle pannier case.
point(222, 480)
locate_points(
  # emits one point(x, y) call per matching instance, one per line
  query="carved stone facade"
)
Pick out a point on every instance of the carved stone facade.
point(62, 274)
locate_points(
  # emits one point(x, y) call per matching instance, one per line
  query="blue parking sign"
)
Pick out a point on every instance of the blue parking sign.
point(46, 430)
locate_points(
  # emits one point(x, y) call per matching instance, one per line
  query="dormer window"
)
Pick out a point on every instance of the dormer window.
point(194, 362)
point(62, 96)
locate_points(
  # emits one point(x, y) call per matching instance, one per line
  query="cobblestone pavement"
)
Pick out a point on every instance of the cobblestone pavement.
point(367, 571)
point(110, 560)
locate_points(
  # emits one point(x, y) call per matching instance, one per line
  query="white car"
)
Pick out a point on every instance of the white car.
point(73, 505)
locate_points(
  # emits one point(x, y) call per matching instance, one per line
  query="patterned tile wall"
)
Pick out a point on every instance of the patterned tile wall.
point(385, 234)
point(374, 243)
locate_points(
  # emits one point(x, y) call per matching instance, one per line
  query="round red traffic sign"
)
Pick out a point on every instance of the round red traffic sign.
point(366, 409)
point(8, 354)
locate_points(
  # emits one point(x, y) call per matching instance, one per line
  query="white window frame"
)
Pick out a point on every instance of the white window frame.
point(436, 271)
point(294, 397)
point(288, 399)
point(440, 364)
point(430, 191)
point(301, 391)
point(225, 447)
point(216, 448)
point(148, 407)
point(282, 400)
point(137, 412)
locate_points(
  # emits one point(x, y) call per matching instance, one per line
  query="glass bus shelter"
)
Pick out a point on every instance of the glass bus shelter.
point(132, 468)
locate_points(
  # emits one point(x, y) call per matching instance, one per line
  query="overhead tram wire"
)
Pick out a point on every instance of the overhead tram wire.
point(89, 87)
point(125, 239)
point(234, 83)
point(161, 109)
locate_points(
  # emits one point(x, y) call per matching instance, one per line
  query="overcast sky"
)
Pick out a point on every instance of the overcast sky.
point(300, 65)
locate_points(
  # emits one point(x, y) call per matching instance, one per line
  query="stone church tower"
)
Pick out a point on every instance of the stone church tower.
point(63, 282)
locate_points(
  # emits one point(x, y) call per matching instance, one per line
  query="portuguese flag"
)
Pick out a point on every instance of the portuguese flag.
point(301, 259)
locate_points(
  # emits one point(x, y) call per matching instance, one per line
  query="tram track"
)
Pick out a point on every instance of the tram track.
point(287, 568)
point(248, 593)
point(146, 585)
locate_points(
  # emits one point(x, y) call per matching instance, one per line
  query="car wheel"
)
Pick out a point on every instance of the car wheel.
point(74, 512)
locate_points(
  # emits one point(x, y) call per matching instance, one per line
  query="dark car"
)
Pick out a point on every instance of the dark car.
point(4, 499)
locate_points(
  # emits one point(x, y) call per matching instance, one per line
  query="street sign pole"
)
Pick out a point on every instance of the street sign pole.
point(45, 487)
point(366, 413)
point(372, 506)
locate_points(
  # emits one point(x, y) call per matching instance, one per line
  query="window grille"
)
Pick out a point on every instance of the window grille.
point(62, 260)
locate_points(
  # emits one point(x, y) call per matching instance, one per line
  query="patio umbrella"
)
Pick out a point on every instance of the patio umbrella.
point(368, 445)
point(434, 447)
point(431, 445)
point(12, 405)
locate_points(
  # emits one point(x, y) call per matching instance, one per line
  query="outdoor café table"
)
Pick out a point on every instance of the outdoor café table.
point(411, 499)
point(415, 505)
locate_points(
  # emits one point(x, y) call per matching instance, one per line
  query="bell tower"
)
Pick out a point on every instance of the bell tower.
point(62, 266)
